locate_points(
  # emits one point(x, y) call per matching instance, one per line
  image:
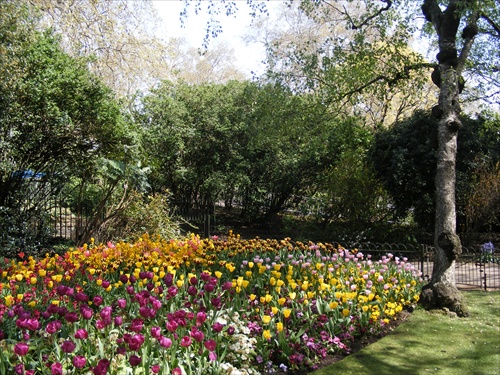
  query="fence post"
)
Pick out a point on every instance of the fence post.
point(206, 223)
point(422, 255)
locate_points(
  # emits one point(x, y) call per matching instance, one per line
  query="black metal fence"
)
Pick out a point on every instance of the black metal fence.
point(475, 268)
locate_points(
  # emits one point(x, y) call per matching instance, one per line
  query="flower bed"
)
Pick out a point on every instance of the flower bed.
point(197, 306)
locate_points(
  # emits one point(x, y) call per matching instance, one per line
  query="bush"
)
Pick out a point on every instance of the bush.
point(143, 214)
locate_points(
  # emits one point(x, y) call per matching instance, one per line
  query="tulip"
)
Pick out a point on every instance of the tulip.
point(136, 341)
point(21, 349)
point(79, 361)
point(165, 342)
point(156, 332)
point(53, 327)
point(186, 341)
point(68, 346)
point(81, 334)
point(210, 345)
point(56, 369)
point(134, 360)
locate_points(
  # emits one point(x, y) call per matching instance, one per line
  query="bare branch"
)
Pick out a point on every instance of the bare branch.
point(388, 4)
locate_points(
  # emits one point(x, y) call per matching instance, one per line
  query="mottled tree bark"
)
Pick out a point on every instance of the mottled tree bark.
point(441, 291)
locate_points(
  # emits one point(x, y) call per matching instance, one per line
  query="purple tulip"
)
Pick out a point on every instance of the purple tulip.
point(56, 369)
point(21, 349)
point(210, 345)
point(136, 325)
point(81, 297)
point(136, 341)
point(68, 346)
point(105, 313)
point(97, 301)
point(165, 342)
point(121, 303)
point(217, 327)
point(72, 317)
point(81, 334)
point(53, 327)
point(79, 361)
point(186, 341)
point(86, 312)
point(134, 360)
point(19, 369)
point(156, 332)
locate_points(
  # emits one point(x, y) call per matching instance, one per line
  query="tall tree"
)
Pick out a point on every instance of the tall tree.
point(454, 49)
point(456, 26)
point(56, 119)
point(120, 35)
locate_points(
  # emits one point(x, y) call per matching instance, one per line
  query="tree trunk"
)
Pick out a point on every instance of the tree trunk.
point(441, 292)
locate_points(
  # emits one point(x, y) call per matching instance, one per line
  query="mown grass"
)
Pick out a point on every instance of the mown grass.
point(433, 342)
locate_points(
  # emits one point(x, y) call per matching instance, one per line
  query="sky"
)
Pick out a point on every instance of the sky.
point(248, 56)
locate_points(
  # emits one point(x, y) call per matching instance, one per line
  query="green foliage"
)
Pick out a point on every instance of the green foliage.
point(258, 145)
point(404, 157)
point(143, 213)
point(56, 120)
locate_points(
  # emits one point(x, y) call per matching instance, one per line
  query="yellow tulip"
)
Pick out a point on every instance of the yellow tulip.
point(287, 312)
point(9, 300)
point(279, 326)
point(266, 319)
point(266, 334)
point(274, 310)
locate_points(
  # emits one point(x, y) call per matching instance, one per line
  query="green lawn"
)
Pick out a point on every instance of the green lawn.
point(434, 343)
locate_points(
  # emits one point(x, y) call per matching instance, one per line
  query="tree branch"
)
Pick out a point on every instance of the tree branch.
point(389, 80)
point(468, 41)
point(492, 24)
point(388, 4)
